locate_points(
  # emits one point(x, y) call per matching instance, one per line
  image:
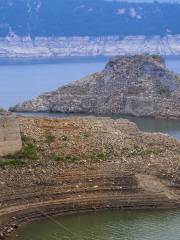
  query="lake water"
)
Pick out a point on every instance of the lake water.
point(24, 79)
point(109, 225)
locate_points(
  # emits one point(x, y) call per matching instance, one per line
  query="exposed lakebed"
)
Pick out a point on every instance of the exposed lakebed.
point(147, 124)
point(116, 225)
point(24, 79)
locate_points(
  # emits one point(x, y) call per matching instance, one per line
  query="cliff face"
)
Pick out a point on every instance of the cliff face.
point(39, 47)
point(10, 139)
point(136, 85)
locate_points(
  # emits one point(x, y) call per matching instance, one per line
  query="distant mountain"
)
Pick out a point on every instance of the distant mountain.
point(87, 17)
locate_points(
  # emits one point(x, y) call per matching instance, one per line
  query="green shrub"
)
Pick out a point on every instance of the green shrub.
point(25, 139)
point(50, 138)
point(28, 152)
point(139, 151)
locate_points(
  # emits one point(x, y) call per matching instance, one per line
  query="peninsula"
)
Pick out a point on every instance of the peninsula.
point(138, 85)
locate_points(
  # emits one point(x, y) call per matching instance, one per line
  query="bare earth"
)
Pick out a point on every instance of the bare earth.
point(80, 164)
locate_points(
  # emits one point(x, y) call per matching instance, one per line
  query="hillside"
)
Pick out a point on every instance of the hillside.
point(139, 85)
point(87, 18)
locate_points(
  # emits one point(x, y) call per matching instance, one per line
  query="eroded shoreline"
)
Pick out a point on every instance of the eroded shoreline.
point(81, 164)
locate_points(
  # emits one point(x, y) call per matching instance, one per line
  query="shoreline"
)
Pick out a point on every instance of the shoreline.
point(98, 192)
point(86, 164)
point(11, 228)
point(81, 46)
point(58, 59)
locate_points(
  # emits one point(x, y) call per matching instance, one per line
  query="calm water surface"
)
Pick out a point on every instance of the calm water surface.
point(23, 80)
point(20, 81)
point(110, 225)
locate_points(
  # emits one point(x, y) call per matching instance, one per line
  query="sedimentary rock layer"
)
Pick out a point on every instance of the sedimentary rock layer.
point(136, 85)
point(53, 190)
point(44, 47)
point(88, 164)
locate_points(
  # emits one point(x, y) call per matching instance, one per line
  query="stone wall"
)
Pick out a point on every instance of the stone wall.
point(10, 139)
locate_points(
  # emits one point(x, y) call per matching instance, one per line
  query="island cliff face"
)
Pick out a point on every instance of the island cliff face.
point(139, 85)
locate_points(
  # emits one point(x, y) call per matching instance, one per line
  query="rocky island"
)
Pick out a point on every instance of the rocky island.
point(85, 164)
point(138, 85)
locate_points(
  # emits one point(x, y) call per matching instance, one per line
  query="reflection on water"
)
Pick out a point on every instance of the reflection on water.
point(110, 225)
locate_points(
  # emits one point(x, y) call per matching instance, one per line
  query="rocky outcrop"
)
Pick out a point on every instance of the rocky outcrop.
point(10, 139)
point(87, 164)
point(135, 85)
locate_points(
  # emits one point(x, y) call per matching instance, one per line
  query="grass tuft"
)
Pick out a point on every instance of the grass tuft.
point(63, 158)
point(50, 138)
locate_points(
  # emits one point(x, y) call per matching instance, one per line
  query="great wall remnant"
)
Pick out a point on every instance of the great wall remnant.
point(10, 139)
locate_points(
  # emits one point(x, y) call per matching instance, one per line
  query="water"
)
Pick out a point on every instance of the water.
point(109, 225)
point(22, 80)
point(167, 126)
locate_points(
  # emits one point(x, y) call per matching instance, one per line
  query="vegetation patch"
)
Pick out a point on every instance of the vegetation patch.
point(64, 158)
point(50, 138)
point(165, 91)
point(139, 151)
point(64, 138)
point(2, 110)
point(25, 139)
point(11, 162)
point(28, 152)
point(99, 155)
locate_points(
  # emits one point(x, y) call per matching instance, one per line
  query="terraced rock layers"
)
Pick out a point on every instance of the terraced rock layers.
point(139, 85)
point(88, 164)
point(62, 191)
